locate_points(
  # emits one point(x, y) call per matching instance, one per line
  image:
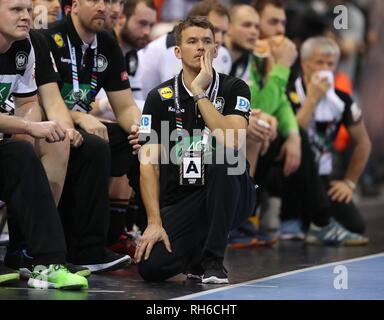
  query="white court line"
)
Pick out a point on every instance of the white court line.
point(104, 291)
point(280, 275)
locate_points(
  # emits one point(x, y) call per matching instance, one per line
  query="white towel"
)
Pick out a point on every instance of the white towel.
point(330, 107)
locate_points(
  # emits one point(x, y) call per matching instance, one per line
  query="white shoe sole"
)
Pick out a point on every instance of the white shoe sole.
point(214, 280)
point(113, 265)
point(41, 284)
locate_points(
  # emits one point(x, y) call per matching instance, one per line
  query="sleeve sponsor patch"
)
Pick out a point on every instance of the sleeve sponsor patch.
point(166, 93)
point(356, 112)
point(146, 123)
point(242, 104)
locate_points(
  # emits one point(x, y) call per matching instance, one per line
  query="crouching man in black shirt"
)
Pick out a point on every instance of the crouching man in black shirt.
point(193, 203)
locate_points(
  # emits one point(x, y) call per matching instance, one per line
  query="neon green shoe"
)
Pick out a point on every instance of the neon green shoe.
point(7, 274)
point(56, 276)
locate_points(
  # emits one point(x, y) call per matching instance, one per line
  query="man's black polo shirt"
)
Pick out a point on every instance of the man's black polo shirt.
point(111, 71)
point(232, 99)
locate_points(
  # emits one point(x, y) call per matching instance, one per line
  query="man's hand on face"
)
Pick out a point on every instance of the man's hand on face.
point(204, 78)
point(284, 52)
point(317, 87)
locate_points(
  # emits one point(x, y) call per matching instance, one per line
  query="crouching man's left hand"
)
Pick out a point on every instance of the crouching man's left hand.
point(153, 234)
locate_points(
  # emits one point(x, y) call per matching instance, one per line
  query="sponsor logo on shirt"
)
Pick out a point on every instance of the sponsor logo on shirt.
point(165, 93)
point(242, 104)
point(65, 60)
point(102, 63)
point(70, 97)
point(294, 97)
point(59, 40)
point(145, 123)
point(21, 60)
point(4, 92)
point(124, 76)
point(172, 109)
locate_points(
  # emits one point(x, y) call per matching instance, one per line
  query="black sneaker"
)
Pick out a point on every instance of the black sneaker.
point(79, 270)
point(7, 274)
point(106, 261)
point(195, 272)
point(215, 272)
point(19, 260)
point(22, 261)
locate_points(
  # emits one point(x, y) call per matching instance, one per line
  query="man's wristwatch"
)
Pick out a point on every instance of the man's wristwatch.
point(199, 96)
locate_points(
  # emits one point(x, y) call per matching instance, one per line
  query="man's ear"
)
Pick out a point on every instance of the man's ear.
point(75, 4)
point(215, 51)
point(178, 52)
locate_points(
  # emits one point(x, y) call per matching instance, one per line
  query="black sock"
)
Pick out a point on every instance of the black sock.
point(117, 222)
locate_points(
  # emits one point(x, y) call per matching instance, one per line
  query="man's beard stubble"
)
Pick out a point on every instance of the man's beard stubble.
point(129, 38)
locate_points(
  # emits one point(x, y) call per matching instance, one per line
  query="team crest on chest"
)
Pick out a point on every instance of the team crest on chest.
point(21, 60)
point(102, 63)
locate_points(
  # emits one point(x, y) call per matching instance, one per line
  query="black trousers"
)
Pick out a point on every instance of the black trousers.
point(84, 204)
point(302, 191)
point(199, 225)
point(123, 162)
point(294, 206)
point(305, 196)
point(32, 213)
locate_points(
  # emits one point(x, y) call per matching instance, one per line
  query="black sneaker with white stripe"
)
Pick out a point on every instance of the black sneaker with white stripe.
point(214, 273)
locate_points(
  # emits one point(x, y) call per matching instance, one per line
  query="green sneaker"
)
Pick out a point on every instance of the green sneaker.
point(56, 276)
point(7, 274)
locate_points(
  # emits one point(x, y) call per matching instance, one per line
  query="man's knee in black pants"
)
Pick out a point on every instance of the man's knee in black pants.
point(160, 265)
point(94, 149)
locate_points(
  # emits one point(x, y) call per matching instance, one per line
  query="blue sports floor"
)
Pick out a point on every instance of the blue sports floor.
point(354, 279)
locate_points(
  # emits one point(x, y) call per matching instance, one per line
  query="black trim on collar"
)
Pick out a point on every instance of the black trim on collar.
point(171, 40)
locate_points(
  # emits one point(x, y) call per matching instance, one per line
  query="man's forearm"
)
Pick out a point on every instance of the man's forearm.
point(305, 113)
point(60, 115)
point(129, 117)
point(358, 161)
point(150, 191)
point(13, 125)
